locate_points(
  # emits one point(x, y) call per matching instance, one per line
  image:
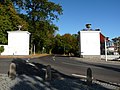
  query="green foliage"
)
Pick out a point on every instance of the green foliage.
point(4, 26)
point(66, 44)
point(1, 49)
point(39, 9)
point(42, 35)
point(71, 43)
point(40, 16)
point(9, 20)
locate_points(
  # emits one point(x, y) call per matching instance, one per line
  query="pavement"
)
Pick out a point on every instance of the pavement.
point(25, 82)
point(114, 62)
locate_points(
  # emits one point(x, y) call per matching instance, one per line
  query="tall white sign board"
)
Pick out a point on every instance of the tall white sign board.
point(18, 43)
point(90, 43)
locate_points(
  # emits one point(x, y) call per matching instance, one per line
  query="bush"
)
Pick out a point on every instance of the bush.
point(1, 49)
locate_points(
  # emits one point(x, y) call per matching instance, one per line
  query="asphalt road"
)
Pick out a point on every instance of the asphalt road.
point(69, 66)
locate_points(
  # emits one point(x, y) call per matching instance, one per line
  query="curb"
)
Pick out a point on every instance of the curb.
point(24, 56)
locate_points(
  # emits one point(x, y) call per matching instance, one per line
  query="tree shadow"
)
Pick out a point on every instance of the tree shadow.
point(31, 76)
point(23, 67)
point(102, 66)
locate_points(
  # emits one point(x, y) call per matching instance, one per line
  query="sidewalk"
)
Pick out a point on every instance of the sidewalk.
point(98, 61)
point(24, 82)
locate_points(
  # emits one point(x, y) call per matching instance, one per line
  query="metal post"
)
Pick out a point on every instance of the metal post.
point(105, 49)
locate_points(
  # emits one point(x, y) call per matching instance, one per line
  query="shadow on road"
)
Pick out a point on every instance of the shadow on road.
point(31, 76)
point(102, 66)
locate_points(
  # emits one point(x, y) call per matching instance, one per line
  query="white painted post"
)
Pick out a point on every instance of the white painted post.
point(34, 49)
point(31, 50)
point(105, 49)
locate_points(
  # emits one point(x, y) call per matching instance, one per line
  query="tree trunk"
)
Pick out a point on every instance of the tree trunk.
point(50, 51)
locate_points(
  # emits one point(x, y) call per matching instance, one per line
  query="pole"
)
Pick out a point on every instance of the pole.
point(34, 49)
point(105, 50)
point(64, 49)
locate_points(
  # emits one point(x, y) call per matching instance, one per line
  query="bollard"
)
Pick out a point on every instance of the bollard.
point(48, 73)
point(12, 71)
point(53, 58)
point(89, 76)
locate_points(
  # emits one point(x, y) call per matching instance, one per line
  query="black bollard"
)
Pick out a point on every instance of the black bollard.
point(89, 76)
point(12, 71)
point(48, 73)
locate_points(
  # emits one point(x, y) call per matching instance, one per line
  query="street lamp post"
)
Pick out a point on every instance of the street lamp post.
point(105, 49)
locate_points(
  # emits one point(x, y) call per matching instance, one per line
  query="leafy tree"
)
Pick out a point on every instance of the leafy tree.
point(39, 10)
point(9, 20)
point(41, 14)
point(58, 45)
point(75, 45)
point(70, 43)
point(67, 39)
point(66, 44)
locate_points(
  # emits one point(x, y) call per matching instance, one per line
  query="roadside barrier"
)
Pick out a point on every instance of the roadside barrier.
point(89, 76)
point(48, 73)
point(12, 71)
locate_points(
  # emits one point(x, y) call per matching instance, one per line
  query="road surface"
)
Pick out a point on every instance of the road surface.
point(71, 66)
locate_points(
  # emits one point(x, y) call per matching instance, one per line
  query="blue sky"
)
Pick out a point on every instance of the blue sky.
point(102, 14)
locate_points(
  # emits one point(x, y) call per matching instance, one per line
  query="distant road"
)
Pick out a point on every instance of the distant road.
point(69, 66)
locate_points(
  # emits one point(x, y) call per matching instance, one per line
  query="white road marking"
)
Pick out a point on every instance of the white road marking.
point(81, 76)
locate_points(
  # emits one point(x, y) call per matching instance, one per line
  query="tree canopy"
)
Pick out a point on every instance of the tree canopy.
point(39, 10)
point(9, 20)
point(66, 44)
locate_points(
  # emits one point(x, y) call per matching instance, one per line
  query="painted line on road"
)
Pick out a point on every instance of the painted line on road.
point(81, 76)
point(32, 64)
